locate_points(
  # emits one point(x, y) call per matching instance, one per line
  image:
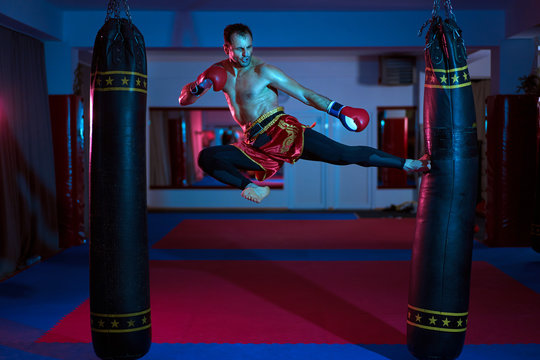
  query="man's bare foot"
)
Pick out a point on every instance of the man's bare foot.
point(421, 165)
point(255, 193)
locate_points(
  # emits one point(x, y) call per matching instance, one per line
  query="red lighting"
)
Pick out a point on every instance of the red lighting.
point(1, 112)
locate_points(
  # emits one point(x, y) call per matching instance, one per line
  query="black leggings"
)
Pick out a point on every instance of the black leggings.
point(225, 162)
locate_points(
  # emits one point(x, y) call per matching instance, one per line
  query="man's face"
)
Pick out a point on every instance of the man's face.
point(240, 49)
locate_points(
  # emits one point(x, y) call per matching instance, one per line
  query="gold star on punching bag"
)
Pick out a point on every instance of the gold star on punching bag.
point(443, 79)
point(119, 81)
point(455, 78)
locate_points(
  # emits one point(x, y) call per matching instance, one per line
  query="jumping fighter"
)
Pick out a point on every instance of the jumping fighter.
point(272, 137)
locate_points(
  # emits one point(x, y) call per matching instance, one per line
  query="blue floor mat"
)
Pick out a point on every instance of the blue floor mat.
point(34, 300)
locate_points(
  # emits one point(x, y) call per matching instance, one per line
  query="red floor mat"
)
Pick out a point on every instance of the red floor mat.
point(366, 233)
point(333, 302)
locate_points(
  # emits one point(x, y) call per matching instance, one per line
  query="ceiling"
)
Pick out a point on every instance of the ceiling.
point(282, 5)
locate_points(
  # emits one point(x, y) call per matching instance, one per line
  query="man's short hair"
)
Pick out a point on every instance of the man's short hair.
point(239, 29)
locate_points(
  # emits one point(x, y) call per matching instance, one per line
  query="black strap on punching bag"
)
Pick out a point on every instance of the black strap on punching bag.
point(119, 276)
point(437, 314)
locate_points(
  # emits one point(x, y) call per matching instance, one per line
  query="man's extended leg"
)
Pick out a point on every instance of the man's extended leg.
point(318, 147)
point(223, 163)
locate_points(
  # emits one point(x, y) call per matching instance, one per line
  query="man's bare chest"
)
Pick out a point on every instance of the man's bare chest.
point(251, 88)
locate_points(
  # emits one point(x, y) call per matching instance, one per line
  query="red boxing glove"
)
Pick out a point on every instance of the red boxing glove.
point(353, 119)
point(215, 75)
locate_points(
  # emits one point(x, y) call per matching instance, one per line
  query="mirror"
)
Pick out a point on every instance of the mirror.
point(177, 135)
point(396, 134)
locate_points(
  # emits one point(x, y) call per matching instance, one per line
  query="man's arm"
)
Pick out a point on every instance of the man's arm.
point(353, 119)
point(283, 82)
point(186, 96)
point(215, 76)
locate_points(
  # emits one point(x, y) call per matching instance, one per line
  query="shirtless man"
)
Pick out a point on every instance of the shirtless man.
point(271, 136)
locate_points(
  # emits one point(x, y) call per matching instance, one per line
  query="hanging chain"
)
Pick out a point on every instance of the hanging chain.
point(110, 8)
point(436, 7)
point(448, 7)
point(449, 10)
point(114, 9)
point(126, 8)
point(434, 13)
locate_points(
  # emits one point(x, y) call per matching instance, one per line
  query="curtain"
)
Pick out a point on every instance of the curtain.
point(481, 91)
point(175, 143)
point(194, 135)
point(84, 83)
point(28, 213)
point(160, 169)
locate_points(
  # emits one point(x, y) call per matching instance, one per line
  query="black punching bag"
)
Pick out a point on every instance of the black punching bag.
point(442, 250)
point(119, 272)
point(511, 167)
point(535, 223)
